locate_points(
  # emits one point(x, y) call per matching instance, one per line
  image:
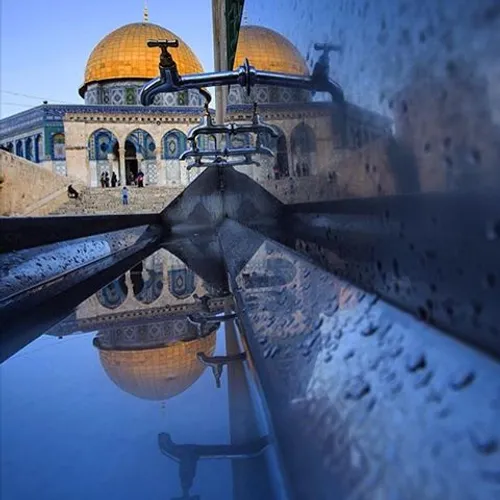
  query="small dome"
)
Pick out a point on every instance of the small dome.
point(124, 54)
point(157, 373)
point(268, 51)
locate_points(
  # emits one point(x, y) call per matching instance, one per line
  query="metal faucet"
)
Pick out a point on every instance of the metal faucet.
point(208, 127)
point(222, 162)
point(246, 76)
point(261, 150)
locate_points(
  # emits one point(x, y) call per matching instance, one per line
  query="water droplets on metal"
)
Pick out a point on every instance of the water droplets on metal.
point(271, 351)
point(356, 388)
point(482, 440)
point(415, 361)
point(461, 379)
point(349, 354)
point(423, 379)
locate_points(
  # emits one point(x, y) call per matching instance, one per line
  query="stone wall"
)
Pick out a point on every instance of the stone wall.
point(27, 188)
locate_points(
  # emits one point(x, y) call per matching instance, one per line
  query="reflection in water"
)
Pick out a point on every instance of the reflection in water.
point(155, 352)
point(187, 455)
point(155, 372)
point(114, 294)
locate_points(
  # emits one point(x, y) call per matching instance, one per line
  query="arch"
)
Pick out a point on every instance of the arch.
point(174, 144)
point(101, 143)
point(9, 147)
point(19, 148)
point(149, 289)
point(143, 142)
point(303, 147)
point(58, 146)
point(37, 146)
point(280, 167)
point(181, 282)
point(114, 294)
point(29, 148)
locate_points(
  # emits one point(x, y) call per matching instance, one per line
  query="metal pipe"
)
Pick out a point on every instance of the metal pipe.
point(225, 152)
point(245, 76)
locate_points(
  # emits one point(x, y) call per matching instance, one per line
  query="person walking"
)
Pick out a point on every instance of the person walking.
point(140, 179)
point(114, 180)
point(103, 180)
point(125, 195)
point(106, 180)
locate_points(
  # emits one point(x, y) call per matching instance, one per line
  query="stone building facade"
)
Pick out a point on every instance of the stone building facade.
point(111, 132)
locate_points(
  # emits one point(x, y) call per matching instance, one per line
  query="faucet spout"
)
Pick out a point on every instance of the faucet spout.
point(246, 76)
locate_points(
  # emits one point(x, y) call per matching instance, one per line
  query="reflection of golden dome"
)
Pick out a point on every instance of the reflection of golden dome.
point(268, 51)
point(124, 54)
point(160, 373)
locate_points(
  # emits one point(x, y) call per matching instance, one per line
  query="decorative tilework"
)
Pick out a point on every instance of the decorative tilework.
point(143, 143)
point(59, 167)
point(151, 173)
point(101, 144)
point(174, 144)
point(58, 146)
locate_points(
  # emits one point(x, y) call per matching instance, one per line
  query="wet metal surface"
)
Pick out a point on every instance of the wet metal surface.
point(115, 403)
point(390, 403)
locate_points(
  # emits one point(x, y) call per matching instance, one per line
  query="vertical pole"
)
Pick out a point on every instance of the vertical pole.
point(121, 151)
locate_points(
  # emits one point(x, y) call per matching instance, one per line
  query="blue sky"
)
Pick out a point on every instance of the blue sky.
point(44, 46)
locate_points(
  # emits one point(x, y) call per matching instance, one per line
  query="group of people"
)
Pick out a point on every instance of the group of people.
point(137, 180)
point(105, 181)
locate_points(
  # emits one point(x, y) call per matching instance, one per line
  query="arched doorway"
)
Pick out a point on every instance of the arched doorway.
point(280, 168)
point(140, 156)
point(131, 162)
point(29, 149)
point(103, 154)
point(303, 145)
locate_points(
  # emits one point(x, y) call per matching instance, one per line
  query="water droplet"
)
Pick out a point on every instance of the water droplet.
point(369, 329)
point(318, 323)
point(415, 361)
point(482, 440)
point(422, 379)
point(395, 350)
point(461, 379)
point(271, 351)
point(349, 354)
point(374, 362)
point(356, 388)
point(328, 357)
point(309, 341)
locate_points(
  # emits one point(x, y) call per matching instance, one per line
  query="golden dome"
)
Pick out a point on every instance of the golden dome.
point(123, 54)
point(159, 373)
point(268, 51)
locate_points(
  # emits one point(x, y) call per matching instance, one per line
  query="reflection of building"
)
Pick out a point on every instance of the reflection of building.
point(147, 345)
point(311, 133)
point(159, 365)
point(446, 123)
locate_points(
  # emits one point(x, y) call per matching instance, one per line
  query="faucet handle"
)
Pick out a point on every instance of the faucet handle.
point(163, 44)
point(327, 47)
point(166, 60)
